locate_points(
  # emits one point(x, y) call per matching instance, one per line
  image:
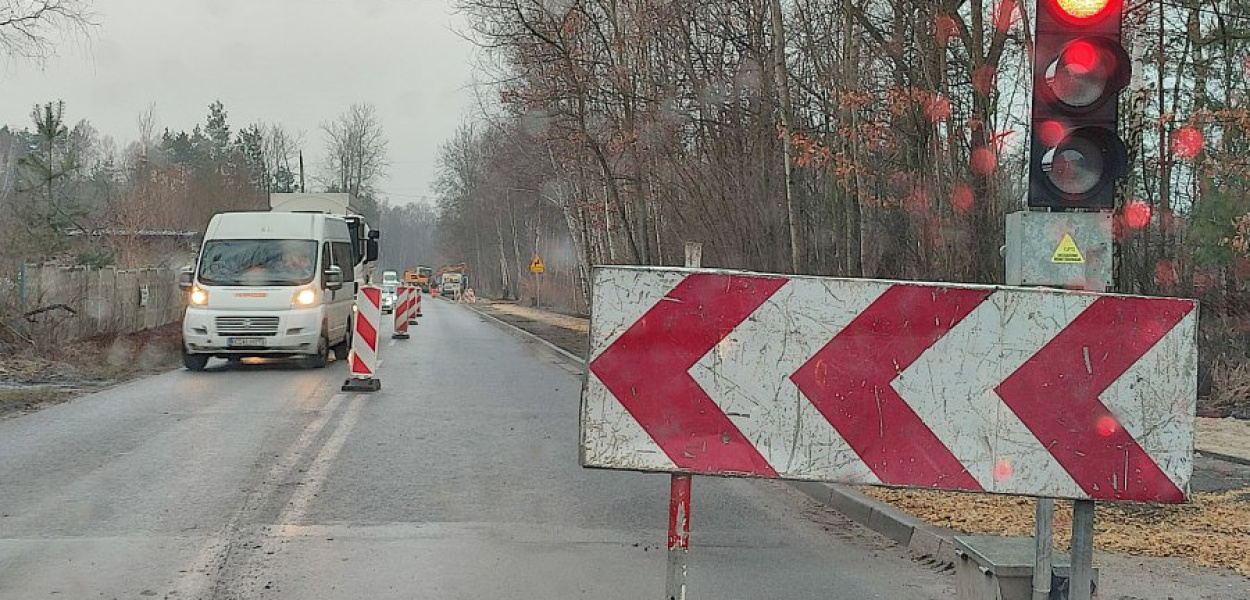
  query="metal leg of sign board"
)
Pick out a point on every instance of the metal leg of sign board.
point(678, 538)
point(1080, 583)
point(1044, 529)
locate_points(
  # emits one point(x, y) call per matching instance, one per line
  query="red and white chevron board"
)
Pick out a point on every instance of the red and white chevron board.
point(976, 388)
point(364, 354)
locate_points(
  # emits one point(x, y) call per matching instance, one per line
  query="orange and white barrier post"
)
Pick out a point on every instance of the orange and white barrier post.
point(469, 297)
point(364, 355)
point(416, 307)
point(403, 306)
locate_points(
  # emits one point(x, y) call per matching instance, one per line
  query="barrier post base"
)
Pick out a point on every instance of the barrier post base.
point(414, 321)
point(357, 384)
point(400, 336)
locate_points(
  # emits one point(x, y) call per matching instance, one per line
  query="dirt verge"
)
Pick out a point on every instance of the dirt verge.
point(31, 381)
point(1214, 531)
point(569, 333)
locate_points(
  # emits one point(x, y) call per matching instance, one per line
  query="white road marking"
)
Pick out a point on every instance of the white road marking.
point(195, 580)
point(315, 476)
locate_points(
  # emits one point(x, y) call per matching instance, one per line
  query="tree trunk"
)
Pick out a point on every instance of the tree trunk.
point(782, 76)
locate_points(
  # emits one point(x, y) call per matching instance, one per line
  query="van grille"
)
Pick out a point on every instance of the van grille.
point(247, 325)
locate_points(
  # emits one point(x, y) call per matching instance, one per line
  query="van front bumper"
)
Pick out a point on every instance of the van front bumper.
point(205, 331)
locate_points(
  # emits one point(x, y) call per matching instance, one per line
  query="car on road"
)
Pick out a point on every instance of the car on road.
point(389, 297)
point(272, 285)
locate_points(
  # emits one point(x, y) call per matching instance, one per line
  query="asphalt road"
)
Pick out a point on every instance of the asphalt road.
point(458, 480)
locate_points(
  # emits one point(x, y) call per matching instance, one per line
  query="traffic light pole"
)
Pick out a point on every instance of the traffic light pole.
point(1068, 250)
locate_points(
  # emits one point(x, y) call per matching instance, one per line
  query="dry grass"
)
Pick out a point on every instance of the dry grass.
point(577, 324)
point(35, 380)
point(1230, 388)
point(1213, 531)
point(28, 399)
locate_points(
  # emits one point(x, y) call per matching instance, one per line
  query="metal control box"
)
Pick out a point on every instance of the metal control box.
point(1064, 250)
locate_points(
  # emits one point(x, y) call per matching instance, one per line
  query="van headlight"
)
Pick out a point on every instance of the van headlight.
point(305, 297)
point(199, 296)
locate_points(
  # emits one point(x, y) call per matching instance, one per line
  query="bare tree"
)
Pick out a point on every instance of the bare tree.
point(356, 151)
point(28, 27)
point(282, 148)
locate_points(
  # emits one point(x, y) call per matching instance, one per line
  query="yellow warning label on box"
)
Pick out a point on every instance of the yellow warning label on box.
point(1067, 253)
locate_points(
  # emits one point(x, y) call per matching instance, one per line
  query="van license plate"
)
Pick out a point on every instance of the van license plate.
point(245, 342)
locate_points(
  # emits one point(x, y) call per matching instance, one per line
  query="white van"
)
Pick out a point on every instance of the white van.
point(271, 284)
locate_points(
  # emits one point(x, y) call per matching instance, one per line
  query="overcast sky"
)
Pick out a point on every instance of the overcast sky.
point(297, 62)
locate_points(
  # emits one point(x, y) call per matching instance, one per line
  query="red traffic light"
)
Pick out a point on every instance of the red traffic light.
point(1079, 68)
point(1087, 72)
point(1083, 11)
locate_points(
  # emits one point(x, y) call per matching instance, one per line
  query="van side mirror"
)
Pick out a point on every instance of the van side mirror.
point(333, 278)
point(375, 234)
point(186, 278)
point(371, 249)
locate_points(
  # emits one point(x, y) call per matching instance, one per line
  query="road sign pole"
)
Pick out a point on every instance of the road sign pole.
point(679, 498)
point(1081, 575)
point(1044, 532)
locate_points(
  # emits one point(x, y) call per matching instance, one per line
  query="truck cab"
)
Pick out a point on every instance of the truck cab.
point(271, 284)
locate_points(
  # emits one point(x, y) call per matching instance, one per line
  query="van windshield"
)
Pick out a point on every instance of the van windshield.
point(258, 262)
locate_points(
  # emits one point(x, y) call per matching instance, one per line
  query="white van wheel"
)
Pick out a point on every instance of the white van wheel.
point(322, 357)
point(342, 349)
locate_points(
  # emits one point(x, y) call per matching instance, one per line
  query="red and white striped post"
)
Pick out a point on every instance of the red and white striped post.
point(364, 354)
point(415, 305)
point(679, 497)
point(403, 306)
point(678, 537)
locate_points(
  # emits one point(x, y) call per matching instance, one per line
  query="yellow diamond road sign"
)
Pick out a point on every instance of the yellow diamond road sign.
point(537, 266)
point(1067, 253)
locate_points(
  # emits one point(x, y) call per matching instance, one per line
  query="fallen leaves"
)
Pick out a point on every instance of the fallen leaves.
point(1213, 531)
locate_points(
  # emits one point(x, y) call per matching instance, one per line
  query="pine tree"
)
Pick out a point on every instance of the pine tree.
point(48, 209)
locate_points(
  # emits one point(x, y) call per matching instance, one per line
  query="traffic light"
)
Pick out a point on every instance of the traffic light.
point(1079, 68)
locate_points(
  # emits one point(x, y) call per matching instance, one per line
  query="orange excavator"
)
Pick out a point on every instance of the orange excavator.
point(419, 277)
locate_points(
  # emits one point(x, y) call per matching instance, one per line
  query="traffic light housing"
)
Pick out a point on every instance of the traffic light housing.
point(1079, 68)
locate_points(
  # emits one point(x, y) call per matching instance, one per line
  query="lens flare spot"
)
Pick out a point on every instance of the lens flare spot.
point(937, 108)
point(983, 161)
point(918, 201)
point(1004, 15)
point(1165, 273)
point(1106, 426)
point(1003, 470)
point(1187, 142)
point(1051, 133)
point(961, 198)
point(984, 79)
point(945, 29)
point(1081, 55)
point(1137, 214)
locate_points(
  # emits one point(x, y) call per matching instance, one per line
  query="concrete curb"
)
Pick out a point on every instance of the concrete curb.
point(919, 537)
point(1224, 457)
